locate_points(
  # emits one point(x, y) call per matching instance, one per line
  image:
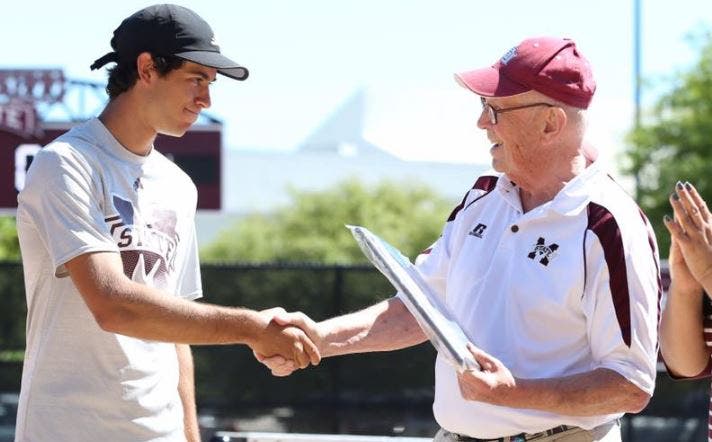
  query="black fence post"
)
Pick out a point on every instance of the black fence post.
point(335, 363)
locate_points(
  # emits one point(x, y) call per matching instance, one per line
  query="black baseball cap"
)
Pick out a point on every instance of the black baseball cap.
point(166, 30)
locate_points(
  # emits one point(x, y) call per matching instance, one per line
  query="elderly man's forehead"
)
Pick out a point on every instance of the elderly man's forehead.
point(523, 98)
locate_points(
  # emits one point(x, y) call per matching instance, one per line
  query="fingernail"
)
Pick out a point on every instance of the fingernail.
point(667, 218)
point(679, 185)
point(675, 197)
point(688, 186)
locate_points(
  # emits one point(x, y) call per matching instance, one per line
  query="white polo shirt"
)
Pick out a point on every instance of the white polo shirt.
point(568, 287)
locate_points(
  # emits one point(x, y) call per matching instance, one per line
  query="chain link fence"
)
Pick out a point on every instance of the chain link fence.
point(378, 393)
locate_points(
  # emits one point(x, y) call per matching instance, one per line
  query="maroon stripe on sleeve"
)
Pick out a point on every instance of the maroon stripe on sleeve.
point(602, 223)
point(486, 183)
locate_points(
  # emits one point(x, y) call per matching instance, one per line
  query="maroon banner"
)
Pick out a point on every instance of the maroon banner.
point(198, 153)
point(19, 117)
point(45, 85)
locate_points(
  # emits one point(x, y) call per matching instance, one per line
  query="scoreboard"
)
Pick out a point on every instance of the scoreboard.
point(198, 153)
point(23, 133)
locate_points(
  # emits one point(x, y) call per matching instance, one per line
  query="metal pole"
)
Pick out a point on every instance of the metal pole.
point(637, 67)
point(335, 363)
point(637, 76)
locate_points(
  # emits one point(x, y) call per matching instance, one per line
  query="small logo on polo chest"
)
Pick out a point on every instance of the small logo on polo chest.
point(544, 253)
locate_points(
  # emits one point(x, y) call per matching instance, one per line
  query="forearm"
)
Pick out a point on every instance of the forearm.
point(123, 306)
point(682, 341)
point(186, 390)
point(601, 391)
point(147, 313)
point(385, 326)
point(120, 305)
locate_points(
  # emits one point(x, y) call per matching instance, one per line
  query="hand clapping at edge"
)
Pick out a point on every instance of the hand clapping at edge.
point(691, 232)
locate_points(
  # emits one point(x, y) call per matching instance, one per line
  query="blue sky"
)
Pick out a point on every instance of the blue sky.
point(307, 56)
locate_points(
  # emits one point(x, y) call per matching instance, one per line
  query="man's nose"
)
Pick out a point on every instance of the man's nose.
point(483, 122)
point(203, 99)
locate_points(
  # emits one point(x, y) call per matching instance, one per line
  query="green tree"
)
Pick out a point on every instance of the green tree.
point(408, 215)
point(675, 142)
point(9, 246)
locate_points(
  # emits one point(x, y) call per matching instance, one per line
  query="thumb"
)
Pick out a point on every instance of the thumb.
point(486, 361)
point(282, 318)
point(300, 320)
point(273, 311)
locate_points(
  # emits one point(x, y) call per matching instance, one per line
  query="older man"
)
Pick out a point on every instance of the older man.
point(547, 263)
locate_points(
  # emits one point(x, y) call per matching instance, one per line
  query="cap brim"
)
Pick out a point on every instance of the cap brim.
point(218, 61)
point(488, 82)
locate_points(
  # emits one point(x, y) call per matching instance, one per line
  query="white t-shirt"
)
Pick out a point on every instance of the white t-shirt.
point(86, 193)
point(568, 287)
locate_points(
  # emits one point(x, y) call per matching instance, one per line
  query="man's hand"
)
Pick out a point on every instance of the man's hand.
point(490, 385)
point(284, 341)
point(691, 229)
point(282, 366)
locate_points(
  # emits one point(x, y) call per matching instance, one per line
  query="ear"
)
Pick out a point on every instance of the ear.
point(145, 67)
point(556, 120)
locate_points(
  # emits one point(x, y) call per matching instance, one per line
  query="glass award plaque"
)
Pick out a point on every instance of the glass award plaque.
point(433, 316)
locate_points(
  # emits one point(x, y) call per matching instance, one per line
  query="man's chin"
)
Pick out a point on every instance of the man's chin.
point(177, 133)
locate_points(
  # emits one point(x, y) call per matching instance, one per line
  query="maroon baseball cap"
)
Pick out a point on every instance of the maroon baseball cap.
point(549, 65)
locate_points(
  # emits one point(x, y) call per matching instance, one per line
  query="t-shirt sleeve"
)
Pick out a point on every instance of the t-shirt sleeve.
point(621, 302)
point(60, 198)
point(432, 264)
point(189, 282)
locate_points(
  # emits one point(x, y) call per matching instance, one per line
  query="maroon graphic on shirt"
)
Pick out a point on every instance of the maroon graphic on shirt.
point(147, 241)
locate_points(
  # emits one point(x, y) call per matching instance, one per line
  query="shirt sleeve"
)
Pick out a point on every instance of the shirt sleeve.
point(60, 199)
point(433, 263)
point(189, 282)
point(621, 301)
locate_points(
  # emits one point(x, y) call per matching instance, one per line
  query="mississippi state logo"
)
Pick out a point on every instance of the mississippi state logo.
point(544, 253)
point(147, 242)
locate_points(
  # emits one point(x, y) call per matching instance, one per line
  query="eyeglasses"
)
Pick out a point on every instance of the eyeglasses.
point(492, 112)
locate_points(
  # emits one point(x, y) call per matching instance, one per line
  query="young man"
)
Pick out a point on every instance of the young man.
point(110, 255)
point(547, 263)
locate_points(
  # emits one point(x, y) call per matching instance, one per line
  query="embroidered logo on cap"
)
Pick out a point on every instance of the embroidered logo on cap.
point(506, 58)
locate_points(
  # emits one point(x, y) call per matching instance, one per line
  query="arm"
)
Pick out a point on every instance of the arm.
point(385, 326)
point(600, 391)
point(123, 306)
point(682, 341)
point(186, 390)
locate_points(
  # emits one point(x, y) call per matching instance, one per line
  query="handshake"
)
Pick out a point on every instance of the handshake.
point(287, 341)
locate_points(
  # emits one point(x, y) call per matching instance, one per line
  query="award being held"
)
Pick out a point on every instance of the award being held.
point(433, 316)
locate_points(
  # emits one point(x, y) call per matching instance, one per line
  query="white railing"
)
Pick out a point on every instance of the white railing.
point(229, 436)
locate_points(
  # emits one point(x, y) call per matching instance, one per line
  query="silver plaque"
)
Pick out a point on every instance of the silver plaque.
point(433, 316)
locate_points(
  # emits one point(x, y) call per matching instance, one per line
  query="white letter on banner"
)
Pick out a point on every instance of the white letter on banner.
point(23, 155)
